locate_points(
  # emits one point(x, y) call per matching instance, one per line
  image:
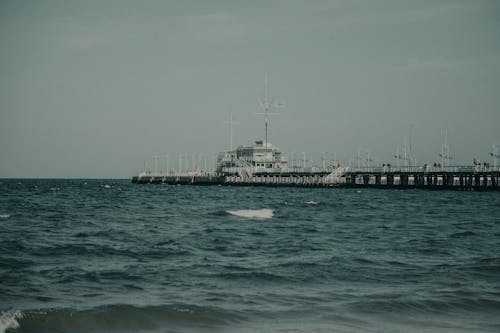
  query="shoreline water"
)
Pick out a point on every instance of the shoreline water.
point(80, 256)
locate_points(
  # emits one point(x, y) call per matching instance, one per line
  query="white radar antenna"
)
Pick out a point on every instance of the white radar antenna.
point(268, 104)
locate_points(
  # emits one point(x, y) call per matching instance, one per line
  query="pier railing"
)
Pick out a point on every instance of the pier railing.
point(426, 168)
point(178, 174)
point(476, 177)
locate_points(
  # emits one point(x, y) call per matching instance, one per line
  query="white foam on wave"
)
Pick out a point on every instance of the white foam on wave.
point(8, 319)
point(311, 202)
point(264, 213)
point(4, 216)
point(107, 186)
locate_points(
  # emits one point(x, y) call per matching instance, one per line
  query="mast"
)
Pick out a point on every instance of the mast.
point(495, 154)
point(155, 159)
point(166, 164)
point(445, 151)
point(412, 158)
point(405, 152)
point(231, 122)
point(267, 104)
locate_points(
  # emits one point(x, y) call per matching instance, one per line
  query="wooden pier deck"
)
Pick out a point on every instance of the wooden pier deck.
point(434, 180)
point(180, 180)
point(457, 178)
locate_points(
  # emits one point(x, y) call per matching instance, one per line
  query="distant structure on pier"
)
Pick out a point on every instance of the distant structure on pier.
point(263, 164)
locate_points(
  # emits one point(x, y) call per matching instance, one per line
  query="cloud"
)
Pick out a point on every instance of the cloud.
point(362, 13)
point(199, 28)
point(436, 63)
point(79, 34)
point(214, 27)
point(416, 64)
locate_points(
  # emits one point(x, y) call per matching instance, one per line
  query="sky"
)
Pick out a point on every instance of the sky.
point(92, 89)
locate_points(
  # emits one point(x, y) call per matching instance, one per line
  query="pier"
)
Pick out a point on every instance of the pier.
point(195, 179)
point(460, 178)
point(261, 163)
point(451, 178)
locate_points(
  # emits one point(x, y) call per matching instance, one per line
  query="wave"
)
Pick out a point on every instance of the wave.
point(463, 234)
point(253, 277)
point(312, 202)
point(444, 304)
point(264, 213)
point(8, 320)
point(118, 318)
point(4, 216)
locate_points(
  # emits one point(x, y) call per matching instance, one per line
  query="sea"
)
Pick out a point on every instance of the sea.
point(86, 255)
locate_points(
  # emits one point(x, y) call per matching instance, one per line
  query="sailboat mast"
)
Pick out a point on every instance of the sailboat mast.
point(266, 109)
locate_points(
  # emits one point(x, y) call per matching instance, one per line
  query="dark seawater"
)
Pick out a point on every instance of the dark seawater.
point(110, 256)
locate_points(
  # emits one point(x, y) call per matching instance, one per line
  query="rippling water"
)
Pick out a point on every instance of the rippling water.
point(110, 256)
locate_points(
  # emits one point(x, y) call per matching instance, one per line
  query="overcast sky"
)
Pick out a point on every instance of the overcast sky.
point(94, 88)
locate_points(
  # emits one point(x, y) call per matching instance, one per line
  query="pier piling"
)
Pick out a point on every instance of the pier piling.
point(457, 178)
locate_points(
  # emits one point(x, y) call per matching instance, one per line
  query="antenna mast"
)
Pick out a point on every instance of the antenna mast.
point(495, 154)
point(445, 152)
point(231, 122)
point(413, 160)
point(267, 105)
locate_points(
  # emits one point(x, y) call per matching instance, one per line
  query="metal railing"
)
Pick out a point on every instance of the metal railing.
point(426, 168)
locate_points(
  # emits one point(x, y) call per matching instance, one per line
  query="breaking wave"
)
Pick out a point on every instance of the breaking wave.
point(116, 318)
point(8, 320)
point(264, 213)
